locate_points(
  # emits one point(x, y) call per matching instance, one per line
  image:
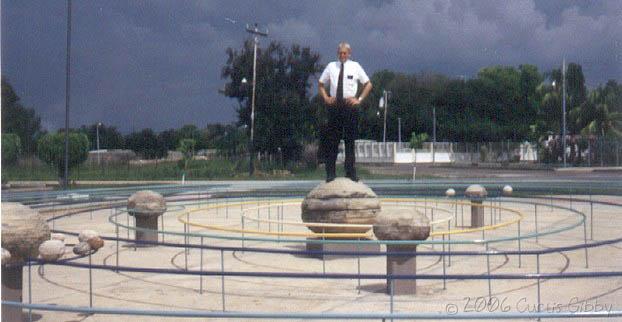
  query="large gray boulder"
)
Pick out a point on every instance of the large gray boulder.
point(23, 230)
point(341, 201)
point(402, 224)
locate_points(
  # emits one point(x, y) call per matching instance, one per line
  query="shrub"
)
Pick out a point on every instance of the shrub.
point(11, 148)
point(51, 149)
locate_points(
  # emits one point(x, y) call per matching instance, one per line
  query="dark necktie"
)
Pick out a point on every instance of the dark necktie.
point(340, 85)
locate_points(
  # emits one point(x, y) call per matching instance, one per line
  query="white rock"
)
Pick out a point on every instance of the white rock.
point(57, 236)
point(6, 256)
point(507, 190)
point(81, 248)
point(85, 235)
point(51, 250)
point(476, 191)
point(450, 192)
point(23, 230)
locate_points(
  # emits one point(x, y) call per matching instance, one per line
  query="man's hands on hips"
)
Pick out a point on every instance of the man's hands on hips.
point(330, 101)
point(353, 101)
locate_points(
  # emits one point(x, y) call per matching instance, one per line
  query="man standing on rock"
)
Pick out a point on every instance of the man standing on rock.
point(343, 108)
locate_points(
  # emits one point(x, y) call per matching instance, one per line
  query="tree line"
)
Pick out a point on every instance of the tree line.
point(499, 103)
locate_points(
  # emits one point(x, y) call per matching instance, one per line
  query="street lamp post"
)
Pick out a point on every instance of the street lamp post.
point(384, 103)
point(564, 110)
point(254, 30)
point(399, 131)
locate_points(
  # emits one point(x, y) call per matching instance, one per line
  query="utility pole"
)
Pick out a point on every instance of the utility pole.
point(564, 110)
point(67, 96)
point(254, 30)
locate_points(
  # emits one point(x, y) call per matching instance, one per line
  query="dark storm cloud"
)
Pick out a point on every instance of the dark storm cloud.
point(157, 63)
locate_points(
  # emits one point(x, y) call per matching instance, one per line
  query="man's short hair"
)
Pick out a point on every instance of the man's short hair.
point(344, 45)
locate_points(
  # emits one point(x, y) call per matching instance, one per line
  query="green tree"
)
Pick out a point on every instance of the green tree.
point(283, 76)
point(186, 147)
point(169, 139)
point(146, 144)
point(417, 140)
point(11, 148)
point(51, 149)
point(18, 119)
point(109, 136)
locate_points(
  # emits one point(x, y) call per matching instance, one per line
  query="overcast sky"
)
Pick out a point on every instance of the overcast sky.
point(138, 64)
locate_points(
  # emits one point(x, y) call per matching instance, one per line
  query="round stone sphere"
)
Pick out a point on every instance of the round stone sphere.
point(341, 201)
point(507, 190)
point(23, 230)
point(6, 256)
point(402, 224)
point(51, 250)
point(146, 203)
point(450, 192)
point(476, 191)
point(87, 234)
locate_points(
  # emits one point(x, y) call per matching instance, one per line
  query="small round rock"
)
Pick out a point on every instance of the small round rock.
point(51, 250)
point(57, 236)
point(87, 234)
point(507, 190)
point(450, 192)
point(82, 248)
point(95, 243)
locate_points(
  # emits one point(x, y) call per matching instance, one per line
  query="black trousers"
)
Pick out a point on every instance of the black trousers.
point(343, 123)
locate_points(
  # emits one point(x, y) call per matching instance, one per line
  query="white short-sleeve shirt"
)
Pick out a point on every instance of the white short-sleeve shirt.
point(353, 73)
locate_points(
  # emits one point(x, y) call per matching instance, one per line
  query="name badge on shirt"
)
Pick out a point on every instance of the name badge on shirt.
point(350, 76)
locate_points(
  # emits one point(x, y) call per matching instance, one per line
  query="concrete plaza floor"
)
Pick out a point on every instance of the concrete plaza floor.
point(63, 285)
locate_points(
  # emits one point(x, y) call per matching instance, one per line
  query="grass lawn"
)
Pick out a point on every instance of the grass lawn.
point(219, 169)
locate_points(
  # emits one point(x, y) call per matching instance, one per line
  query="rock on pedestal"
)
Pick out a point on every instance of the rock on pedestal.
point(341, 201)
point(476, 194)
point(23, 230)
point(402, 224)
point(146, 206)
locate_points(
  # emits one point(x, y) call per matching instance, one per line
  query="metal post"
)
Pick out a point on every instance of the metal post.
point(392, 292)
point(535, 209)
point(29, 288)
point(386, 105)
point(201, 269)
point(444, 271)
point(358, 265)
point(449, 243)
point(488, 271)
point(518, 238)
point(585, 241)
point(90, 281)
point(538, 271)
point(186, 245)
point(591, 219)
point(242, 230)
point(222, 278)
point(323, 256)
point(399, 131)
point(117, 232)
